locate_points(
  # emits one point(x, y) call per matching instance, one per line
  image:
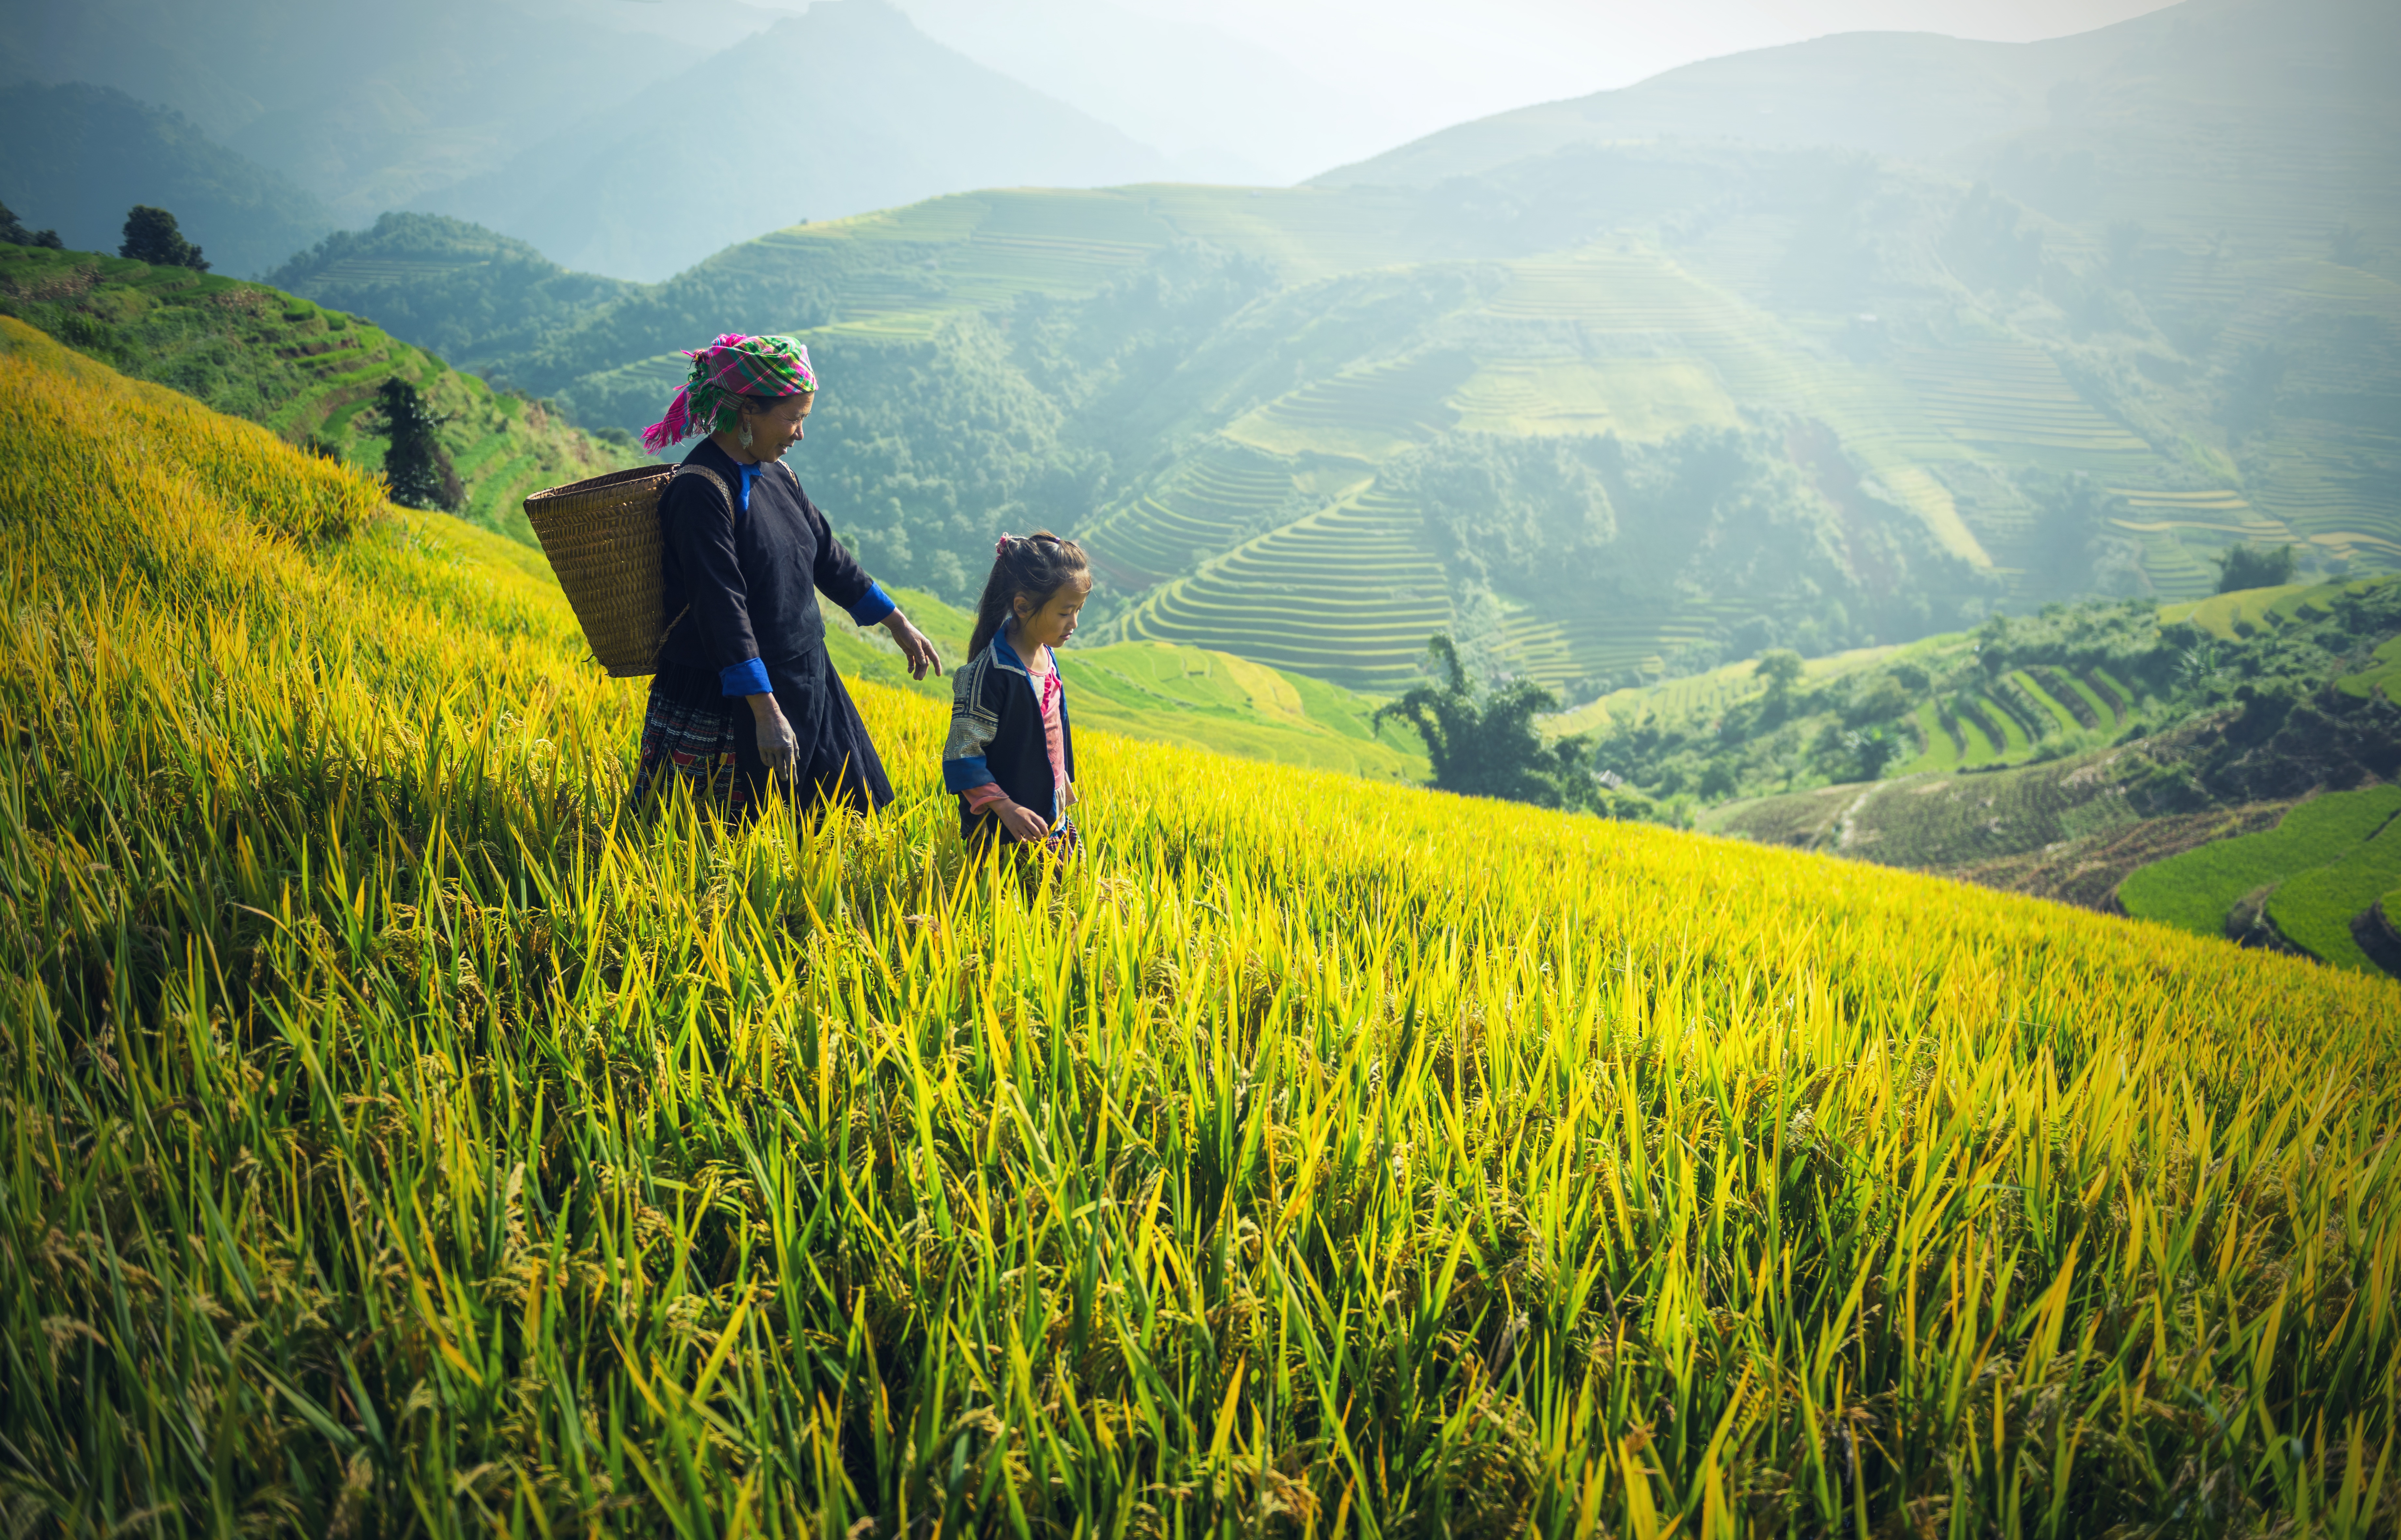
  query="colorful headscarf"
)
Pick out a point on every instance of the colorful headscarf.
point(730, 366)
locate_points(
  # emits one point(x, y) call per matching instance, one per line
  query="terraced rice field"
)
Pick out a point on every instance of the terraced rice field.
point(1617, 290)
point(1923, 820)
point(2010, 397)
point(2336, 852)
point(1636, 399)
point(2250, 611)
point(2180, 530)
point(404, 1139)
point(1609, 636)
point(1366, 413)
point(1350, 595)
point(1195, 513)
point(2329, 465)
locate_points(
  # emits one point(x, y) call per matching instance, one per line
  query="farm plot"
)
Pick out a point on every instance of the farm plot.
point(1945, 821)
point(1636, 399)
point(1364, 414)
point(2180, 530)
point(1348, 595)
point(1196, 511)
point(2318, 910)
point(2197, 890)
point(2010, 396)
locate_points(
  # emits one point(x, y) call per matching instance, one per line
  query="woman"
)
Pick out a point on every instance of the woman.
point(745, 694)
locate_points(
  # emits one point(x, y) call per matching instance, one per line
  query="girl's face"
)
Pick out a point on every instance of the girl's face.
point(1053, 623)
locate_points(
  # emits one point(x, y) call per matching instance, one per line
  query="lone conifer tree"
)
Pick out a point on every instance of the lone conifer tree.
point(152, 236)
point(416, 464)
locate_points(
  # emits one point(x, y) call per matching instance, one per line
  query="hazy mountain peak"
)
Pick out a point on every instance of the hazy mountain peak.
point(877, 113)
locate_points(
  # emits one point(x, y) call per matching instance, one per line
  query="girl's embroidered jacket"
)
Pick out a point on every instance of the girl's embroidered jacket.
point(997, 735)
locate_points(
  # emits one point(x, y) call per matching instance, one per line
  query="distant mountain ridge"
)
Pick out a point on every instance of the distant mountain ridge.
point(78, 157)
point(2153, 118)
point(366, 105)
point(845, 109)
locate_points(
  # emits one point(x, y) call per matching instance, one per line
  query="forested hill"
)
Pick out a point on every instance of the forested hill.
point(474, 297)
point(1611, 411)
point(308, 373)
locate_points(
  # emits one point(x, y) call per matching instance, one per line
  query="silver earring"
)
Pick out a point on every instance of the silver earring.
point(746, 435)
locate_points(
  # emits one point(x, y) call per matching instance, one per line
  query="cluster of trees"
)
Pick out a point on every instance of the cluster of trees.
point(1484, 744)
point(152, 236)
point(14, 233)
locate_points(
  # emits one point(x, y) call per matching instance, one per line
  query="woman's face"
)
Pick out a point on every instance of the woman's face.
point(778, 428)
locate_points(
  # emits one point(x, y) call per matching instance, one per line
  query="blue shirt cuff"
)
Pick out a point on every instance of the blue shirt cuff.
point(744, 678)
point(872, 606)
point(966, 773)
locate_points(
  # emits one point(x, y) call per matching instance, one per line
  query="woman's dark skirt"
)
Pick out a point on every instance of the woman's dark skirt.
point(710, 742)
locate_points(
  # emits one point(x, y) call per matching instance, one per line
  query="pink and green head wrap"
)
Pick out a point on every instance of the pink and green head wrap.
point(722, 373)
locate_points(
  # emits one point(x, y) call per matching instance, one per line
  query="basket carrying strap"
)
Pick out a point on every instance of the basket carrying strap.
point(714, 480)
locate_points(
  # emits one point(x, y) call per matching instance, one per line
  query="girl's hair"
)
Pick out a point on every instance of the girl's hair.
point(1035, 565)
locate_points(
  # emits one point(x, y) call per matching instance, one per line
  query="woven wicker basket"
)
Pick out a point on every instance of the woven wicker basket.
point(602, 539)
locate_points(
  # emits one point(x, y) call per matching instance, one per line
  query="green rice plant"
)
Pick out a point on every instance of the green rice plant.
point(2315, 910)
point(2196, 890)
point(405, 1138)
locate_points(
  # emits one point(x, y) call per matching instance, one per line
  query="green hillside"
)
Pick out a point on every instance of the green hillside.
point(451, 288)
point(2076, 754)
point(308, 373)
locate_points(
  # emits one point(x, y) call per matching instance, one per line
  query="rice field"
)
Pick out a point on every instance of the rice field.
point(1366, 413)
point(405, 1138)
point(2200, 888)
point(1349, 594)
point(1196, 512)
point(2010, 396)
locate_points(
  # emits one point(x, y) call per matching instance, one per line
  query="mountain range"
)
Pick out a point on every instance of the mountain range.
point(842, 110)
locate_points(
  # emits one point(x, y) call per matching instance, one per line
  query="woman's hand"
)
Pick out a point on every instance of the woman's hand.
point(1024, 822)
point(779, 749)
point(913, 645)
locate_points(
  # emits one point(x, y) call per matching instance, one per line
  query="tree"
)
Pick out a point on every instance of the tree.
point(152, 236)
point(1781, 668)
point(13, 233)
point(2242, 566)
point(416, 464)
point(1486, 745)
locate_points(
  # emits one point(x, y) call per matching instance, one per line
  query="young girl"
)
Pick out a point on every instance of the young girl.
point(1011, 757)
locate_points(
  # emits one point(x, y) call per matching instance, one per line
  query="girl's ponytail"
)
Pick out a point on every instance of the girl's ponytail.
point(1035, 565)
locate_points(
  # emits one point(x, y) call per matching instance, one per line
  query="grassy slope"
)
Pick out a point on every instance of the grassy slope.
point(300, 370)
point(399, 1136)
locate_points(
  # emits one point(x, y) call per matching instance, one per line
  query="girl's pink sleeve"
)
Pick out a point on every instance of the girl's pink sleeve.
point(986, 798)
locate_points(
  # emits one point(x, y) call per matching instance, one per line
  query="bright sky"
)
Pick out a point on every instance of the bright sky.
point(1288, 88)
point(1444, 61)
